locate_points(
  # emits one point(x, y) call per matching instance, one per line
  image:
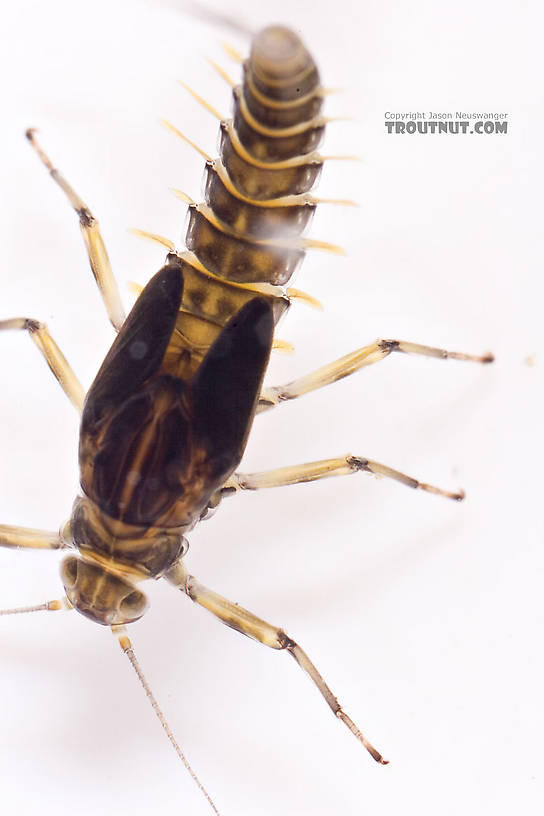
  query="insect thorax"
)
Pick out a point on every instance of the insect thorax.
point(141, 551)
point(113, 557)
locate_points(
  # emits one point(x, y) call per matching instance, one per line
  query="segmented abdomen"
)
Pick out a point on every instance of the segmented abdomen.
point(245, 239)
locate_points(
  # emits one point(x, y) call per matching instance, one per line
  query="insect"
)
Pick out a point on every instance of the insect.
point(165, 423)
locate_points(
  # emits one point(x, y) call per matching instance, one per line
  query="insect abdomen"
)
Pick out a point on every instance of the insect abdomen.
point(244, 239)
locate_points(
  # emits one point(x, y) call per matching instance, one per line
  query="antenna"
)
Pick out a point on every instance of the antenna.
point(121, 633)
point(48, 606)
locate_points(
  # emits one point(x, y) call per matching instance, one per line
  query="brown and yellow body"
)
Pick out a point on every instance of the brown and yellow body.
point(166, 420)
point(245, 239)
point(154, 446)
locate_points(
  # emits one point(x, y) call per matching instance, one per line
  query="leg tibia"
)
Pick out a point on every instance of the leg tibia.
point(351, 363)
point(313, 471)
point(52, 355)
point(96, 250)
point(236, 617)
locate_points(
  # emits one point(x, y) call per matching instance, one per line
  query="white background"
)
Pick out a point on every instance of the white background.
point(425, 616)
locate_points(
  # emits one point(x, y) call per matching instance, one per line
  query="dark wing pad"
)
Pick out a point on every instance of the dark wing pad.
point(227, 384)
point(138, 350)
point(143, 458)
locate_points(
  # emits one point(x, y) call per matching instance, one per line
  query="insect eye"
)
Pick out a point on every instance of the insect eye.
point(134, 605)
point(68, 572)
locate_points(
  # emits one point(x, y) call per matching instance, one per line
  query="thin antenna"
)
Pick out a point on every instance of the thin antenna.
point(126, 646)
point(48, 606)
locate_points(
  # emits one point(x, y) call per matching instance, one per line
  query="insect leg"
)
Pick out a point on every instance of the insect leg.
point(248, 624)
point(53, 356)
point(96, 250)
point(26, 538)
point(312, 471)
point(344, 366)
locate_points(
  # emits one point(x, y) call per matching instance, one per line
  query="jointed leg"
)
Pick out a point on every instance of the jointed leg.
point(343, 367)
point(311, 471)
point(98, 256)
point(27, 538)
point(53, 356)
point(243, 621)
